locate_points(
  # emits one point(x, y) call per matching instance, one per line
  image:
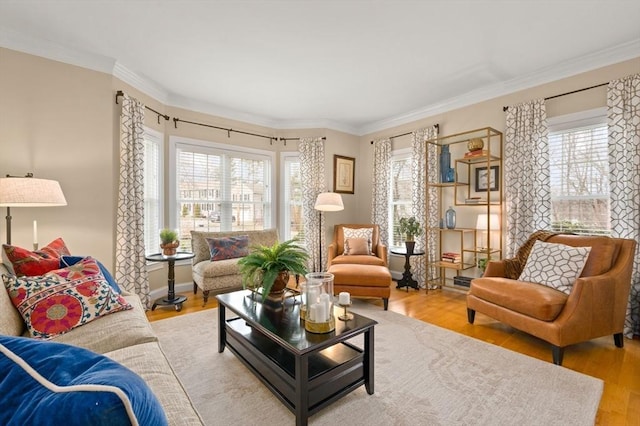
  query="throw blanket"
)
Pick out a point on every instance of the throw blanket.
point(513, 267)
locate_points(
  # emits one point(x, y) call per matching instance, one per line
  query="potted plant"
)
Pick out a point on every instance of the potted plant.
point(411, 228)
point(269, 267)
point(169, 241)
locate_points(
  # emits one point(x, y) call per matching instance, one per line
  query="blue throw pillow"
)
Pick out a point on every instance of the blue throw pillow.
point(66, 261)
point(53, 383)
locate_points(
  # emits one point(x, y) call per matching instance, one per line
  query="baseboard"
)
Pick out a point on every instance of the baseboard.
point(179, 288)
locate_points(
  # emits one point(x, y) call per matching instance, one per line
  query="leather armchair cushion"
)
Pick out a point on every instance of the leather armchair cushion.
point(527, 298)
point(359, 259)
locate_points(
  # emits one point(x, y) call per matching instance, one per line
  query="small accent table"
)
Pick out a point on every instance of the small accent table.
point(171, 299)
point(407, 278)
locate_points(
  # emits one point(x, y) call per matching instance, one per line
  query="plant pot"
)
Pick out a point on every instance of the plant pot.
point(277, 289)
point(170, 249)
point(410, 245)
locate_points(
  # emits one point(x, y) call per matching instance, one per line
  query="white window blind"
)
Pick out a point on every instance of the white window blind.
point(153, 178)
point(220, 189)
point(400, 200)
point(580, 176)
point(291, 197)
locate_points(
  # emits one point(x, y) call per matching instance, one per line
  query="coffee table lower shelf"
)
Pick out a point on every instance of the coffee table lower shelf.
point(332, 372)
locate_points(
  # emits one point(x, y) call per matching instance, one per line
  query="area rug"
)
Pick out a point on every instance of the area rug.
point(424, 375)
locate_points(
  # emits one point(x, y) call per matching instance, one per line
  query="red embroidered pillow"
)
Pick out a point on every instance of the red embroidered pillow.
point(63, 299)
point(21, 261)
point(228, 247)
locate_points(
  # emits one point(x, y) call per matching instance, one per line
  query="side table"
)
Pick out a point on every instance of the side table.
point(407, 278)
point(171, 299)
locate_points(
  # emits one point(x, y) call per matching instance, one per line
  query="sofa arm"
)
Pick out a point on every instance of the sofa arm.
point(331, 253)
point(495, 268)
point(382, 253)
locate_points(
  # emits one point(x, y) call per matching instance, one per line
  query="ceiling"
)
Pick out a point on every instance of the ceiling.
point(355, 66)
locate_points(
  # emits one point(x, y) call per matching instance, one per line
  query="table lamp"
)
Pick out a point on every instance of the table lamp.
point(27, 191)
point(483, 220)
point(326, 202)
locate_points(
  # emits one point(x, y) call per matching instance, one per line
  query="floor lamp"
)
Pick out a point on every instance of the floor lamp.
point(326, 202)
point(27, 191)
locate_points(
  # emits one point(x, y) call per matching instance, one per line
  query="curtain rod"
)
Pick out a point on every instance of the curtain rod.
point(504, 109)
point(229, 130)
point(166, 117)
point(437, 126)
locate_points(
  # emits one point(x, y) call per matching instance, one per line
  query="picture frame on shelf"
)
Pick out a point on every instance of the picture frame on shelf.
point(487, 178)
point(344, 170)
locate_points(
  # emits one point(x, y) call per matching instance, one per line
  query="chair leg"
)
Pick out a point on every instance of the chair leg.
point(471, 315)
point(205, 296)
point(618, 340)
point(385, 300)
point(558, 354)
point(195, 288)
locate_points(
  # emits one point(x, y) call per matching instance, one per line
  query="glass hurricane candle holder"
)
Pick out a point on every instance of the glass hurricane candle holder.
point(319, 303)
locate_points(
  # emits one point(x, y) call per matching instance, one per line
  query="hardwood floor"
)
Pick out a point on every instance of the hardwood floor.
point(618, 368)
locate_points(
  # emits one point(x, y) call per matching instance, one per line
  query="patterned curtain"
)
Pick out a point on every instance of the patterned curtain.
point(424, 166)
point(623, 114)
point(131, 270)
point(381, 191)
point(526, 173)
point(313, 183)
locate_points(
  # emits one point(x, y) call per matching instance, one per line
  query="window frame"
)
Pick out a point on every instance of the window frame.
point(157, 138)
point(211, 147)
point(396, 155)
point(575, 122)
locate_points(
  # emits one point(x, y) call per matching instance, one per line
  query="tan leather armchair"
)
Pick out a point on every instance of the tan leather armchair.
point(595, 307)
point(361, 275)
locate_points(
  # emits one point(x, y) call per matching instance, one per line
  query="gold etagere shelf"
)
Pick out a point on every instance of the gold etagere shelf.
point(476, 192)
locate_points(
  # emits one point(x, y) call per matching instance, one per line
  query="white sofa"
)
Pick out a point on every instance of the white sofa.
point(127, 338)
point(222, 275)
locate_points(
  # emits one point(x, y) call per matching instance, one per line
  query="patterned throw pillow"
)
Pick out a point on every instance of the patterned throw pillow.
point(555, 265)
point(20, 261)
point(63, 299)
point(228, 247)
point(356, 246)
point(366, 233)
point(80, 266)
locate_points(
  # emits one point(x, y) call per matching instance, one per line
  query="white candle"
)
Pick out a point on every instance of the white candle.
point(344, 298)
point(321, 313)
point(35, 232)
point(325, 300)
point(313, 312)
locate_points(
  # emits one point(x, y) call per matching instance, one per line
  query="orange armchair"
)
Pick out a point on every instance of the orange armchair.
point(595, 307)
point(362, 275)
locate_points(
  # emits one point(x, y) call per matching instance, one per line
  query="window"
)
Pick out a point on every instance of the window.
point(219, 187)
point(291, 190)
point(400, 202)
point(579, 173)
point(153, 177)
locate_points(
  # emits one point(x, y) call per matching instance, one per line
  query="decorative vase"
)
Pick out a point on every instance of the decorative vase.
point(475, 144)
point(450, 218)
point(410, 246)
point(278, 287)
point(170, 249)
point(319, 303)
point(445, 163)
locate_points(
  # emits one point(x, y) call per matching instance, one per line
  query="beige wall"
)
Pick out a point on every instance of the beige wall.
point(60, 122)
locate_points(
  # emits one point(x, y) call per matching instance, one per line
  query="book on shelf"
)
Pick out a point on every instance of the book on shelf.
point(475, 200)
point(449, 260)
point(451, 257)
point(477, 153)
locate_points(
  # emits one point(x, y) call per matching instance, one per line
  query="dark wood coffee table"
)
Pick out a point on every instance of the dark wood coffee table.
point(306, 371)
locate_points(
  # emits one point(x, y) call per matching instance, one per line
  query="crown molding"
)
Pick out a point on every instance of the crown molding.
point(620, 53)
point(27, 43)
point(143, 84)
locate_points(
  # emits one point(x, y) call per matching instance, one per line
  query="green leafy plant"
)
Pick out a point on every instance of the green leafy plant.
point(482, 263)
point(410, 227)
point(264, 264)
point(168, 236)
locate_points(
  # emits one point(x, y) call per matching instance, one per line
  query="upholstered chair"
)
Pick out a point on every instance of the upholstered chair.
point(594, 305)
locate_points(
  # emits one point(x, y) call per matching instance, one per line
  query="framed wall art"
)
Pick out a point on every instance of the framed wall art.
point(487, 178)
point(344, 172)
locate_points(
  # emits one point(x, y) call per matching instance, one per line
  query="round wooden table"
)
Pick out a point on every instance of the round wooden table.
point(407, 278)
point(171, 299)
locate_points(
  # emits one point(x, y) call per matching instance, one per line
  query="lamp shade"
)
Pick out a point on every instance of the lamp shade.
point(329, 202)
point(30, 192)
point(481, 222)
